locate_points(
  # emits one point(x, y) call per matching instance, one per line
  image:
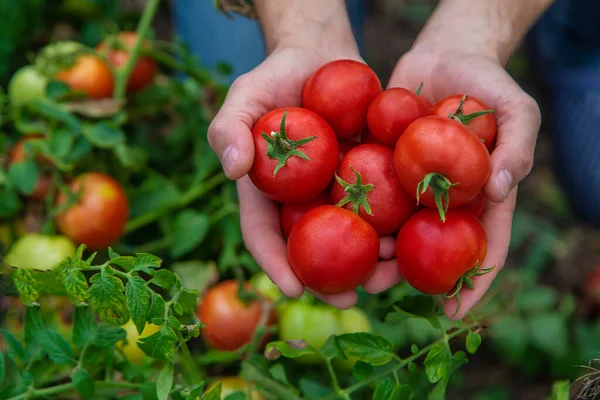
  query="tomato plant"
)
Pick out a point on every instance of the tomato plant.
point(88, 74)
point(332, 250)
point(291, 213)
point(296, 154)
point(340, 92)
point(26, 85)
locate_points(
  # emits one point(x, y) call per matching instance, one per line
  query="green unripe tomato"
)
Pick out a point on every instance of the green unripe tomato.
point(26, 85)
point(40, 252)
point(263, 284)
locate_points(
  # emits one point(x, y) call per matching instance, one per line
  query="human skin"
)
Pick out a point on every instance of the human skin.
point(462, 49)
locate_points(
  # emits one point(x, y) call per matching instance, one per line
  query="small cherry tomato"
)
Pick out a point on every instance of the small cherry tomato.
point(291, 213)
point(340, 92)
point(332, 250)
point(467, 112)
point(393, 111)
point(367, 184)
point(296, 154)
point(229, 323)
point(129, 345)
point(19, 154)
point(89, 74)
point(233, 384)
point(98, 219)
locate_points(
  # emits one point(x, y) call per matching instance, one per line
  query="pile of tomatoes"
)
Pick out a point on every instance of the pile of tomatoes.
point(356, 163)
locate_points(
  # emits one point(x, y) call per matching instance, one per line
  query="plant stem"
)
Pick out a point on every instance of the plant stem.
point(164, 58)
point(65, 387)
point(142, 29)
point(192, 373)
point(334, 380)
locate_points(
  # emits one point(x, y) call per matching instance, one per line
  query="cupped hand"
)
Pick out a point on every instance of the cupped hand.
point(518, 120)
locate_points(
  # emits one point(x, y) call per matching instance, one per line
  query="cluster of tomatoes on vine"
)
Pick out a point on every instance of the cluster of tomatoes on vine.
point(356, 163)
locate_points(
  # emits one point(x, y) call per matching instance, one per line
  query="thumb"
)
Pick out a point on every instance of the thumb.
point(229, 134)
point(512, 158)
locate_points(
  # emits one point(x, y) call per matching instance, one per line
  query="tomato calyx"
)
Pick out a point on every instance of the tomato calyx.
point(281, 148)
point(440, 186)
point(467, 280)
point(59, 56)
point(357, 193)
point(465, 119)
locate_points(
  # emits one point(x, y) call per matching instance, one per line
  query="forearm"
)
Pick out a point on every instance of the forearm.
point(492, 27)
point(305, 22)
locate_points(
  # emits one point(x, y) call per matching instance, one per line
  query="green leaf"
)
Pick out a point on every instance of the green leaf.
point(106, 297)
point(288, 349)
point(10, 202)
point(384, 390)
point(331, 349)
point(438, 363)
point(164, 383)
point(138, 302)
point(57, 113)
point(277, 371)
point(57, 347)
point(80, 149)
point(403, 392)
point(197, 275)
point(83, 381)
point(107, 335)
point(146, 262)
point(103, 135)
point(24, 175)
point(415, 306)
point(173, 323)
point(26, 286)
point(160, 344)
point(125, 262)
point(473, 341)
point(314, 390)
point(218, 357)
point(15, 348)
point(188, 299)
point(34, 326)
point(362, 370)
point(560, 390)
point(60, 143)
point(84, 325)
point(56, 90)
point(164, 278)
point(213, 393)
point(549, 333)
point(157, 306)
point(196, 391)
point(189, 230)
point(367, 347)
point(75, 283)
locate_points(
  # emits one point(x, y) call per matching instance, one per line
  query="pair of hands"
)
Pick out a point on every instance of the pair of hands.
point(278, 82)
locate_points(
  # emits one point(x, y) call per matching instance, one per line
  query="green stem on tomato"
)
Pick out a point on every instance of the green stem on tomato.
point(122, 76)
point(334, 380)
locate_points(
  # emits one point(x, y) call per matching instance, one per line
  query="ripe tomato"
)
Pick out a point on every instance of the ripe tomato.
point(393, 111)
point(441, 163)
point(346, 146)
point(340, 92)
point(434, 257)
point(40, 252)
point(117, 51)
point(99, 217)
point(291, 213)
point(296, 154)
point(477, 205)
point(233, 384)
point(129, 346)
point(229, 323)
point(89, 74)
point(369, 186)
point(19, 154)
point(26, 85)
point(332, 250)
point(467, 112)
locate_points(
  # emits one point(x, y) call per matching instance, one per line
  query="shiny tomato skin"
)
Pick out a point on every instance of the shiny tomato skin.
point(483, 126)
point(393, 111)
point(340, 92)
point(332, 250)
point(444, 146)
point(390, 205)
point(89, 74)
point(44, 183)
point(291, 213)
point(477, 205)
point(144, 69)
point(433, 255)
point(229, 323)
point(98, 219)
point(299, 180)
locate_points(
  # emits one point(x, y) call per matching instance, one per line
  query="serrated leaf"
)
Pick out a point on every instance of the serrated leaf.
point(84, 325)
point(107, 335)
point(15, 348)
point(174, 323)
point(157, 306)
point(75, 283)
point(288, 349)
point(103, 135)
point(384, 390)
point(190, 228)
point(26, 286)
point(331, 349)
point(164, 383)
point(214, 393)
point(164, 278)
point(367, 347)
point(159, 345)
point(188, 299)
point(24, 175)
point(107, 299)
point(146, 262)
point(57, 347)
point(34, 326)
point(138, 302)
point(125, 262)
point(438, 362)
point(473, 341)
point(83, 381)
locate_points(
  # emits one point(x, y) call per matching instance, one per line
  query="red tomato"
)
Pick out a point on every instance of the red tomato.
point(483, 126)
point(447, 152)
point(332, 250)
point(340, 92)
point(346, 146)
point(368, 137)
point(296, 154)
point(89, 74)
point(291, 213)
point(378, 198)
point(98, 219)
point(44, 183)
point(591, 289)
point(393, 111)
point(118, 54)
point(229, 323)
point(433, 256)
point(477, 205)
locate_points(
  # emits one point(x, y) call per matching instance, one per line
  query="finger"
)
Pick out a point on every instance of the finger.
point(343, 301)
point(230, 134)
point(497, 221)
point(387, 247)
point(259, 219)
point(386, 275)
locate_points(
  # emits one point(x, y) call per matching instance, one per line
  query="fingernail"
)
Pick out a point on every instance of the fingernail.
point(504, 181)
point(230, 156)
